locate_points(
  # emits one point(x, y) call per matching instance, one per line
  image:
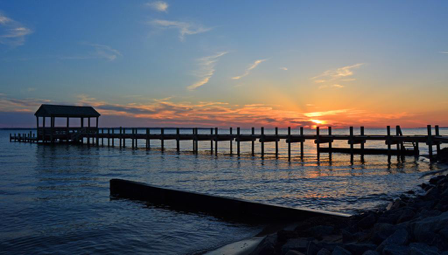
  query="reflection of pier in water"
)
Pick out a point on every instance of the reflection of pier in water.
point(405, 145)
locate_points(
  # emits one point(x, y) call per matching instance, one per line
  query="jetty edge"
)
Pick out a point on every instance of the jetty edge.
point(225, 207)
point(414, 223)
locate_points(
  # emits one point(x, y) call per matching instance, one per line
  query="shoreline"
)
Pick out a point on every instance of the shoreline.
point(411, 224)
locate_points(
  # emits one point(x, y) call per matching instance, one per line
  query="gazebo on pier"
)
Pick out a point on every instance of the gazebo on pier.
point(51, 133)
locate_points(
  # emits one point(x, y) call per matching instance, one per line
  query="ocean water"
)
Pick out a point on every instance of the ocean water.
point(55, 199)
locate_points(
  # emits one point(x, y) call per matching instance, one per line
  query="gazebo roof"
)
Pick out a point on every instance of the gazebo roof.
point(47, 110)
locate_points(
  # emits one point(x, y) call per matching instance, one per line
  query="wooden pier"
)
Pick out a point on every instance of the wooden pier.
point(405, 145)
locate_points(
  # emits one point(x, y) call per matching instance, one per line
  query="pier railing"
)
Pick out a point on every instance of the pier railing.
point(405, 144)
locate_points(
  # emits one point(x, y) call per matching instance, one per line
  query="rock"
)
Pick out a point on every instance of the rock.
point(410, 192)
point(299, 244)
point(406, 215)
point(399, 237)
point(398, 203)
point(359, 248)
point(426, 213)
point(324, 251)
point(432, 193)
point(395, 250)
point(266, 247)
point(442, 156)
point(422, 249)
point(291, 252)
point(367, 222)
point(370, 252)
point(381, 231)
point(312, 248)
point(284, 235)
point(426, 186)
point(321, 230)
point(435, 180)
point(424, 230)
point(338, 250)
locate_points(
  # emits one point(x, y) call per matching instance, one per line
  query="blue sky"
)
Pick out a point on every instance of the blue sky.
point(339, 61)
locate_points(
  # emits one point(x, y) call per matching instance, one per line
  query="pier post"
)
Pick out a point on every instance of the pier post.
point(108, 137)
point(88, 131)
point(301, 143)
point(97, 137)
point(119, 137)
point(216, 141)
point(429, 142)
point(113, 137)
point(43, 130)
point(289, 144)
point(329, 145)
point(417, 150)
point(362, 144)
point(193, 141)
point(102, 137)
point(177, 139)
point(132, 137)
point(351, 145)
point(276, 142)
point(437, 143)
point(124, 137)
point(238, 141)
point(211, 141)
point(318, 143)
point(196, 142)
point(253, 142)
point(389, 140)
point(148, 142)
point(399, 151)
point(136, 137)
point(262, 142)
point(231, 141)
point(162, 140)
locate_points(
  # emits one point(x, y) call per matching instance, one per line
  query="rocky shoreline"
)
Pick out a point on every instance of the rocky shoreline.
point(411, 224)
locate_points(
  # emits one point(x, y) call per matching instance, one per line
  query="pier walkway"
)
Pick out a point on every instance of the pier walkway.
point(395, 144)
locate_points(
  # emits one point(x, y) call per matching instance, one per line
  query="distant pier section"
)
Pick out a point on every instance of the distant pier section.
point(89, 133)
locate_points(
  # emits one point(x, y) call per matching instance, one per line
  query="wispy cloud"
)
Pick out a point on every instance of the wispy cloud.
point(9, 104)
point(325, 113)
point(337, 86)
point(169, 112)
point(444, 52)
point(342, 74)
point(251, 67)
point(159, 6)
point(284, 68)
point(206, 70)
point(12, 32)
point(98, 51)
point(183, 27)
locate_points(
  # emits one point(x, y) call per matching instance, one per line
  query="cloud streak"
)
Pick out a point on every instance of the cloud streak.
point(166, 112)
point(98, 51)
point(206, 71)
point(183, 27)
point(250, 68)
point(159, 6)
point(12, 32)
point(336, 76)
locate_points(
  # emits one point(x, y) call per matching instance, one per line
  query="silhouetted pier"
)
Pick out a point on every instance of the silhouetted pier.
point(86, 134)
point(395, 144)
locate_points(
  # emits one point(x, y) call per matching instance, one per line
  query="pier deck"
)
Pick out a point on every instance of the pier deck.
point(404, 144)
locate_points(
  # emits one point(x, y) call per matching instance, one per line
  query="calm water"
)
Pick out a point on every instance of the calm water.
point(55, 199)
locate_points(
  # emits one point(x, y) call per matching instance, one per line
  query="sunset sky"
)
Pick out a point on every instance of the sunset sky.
point(227, 63)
